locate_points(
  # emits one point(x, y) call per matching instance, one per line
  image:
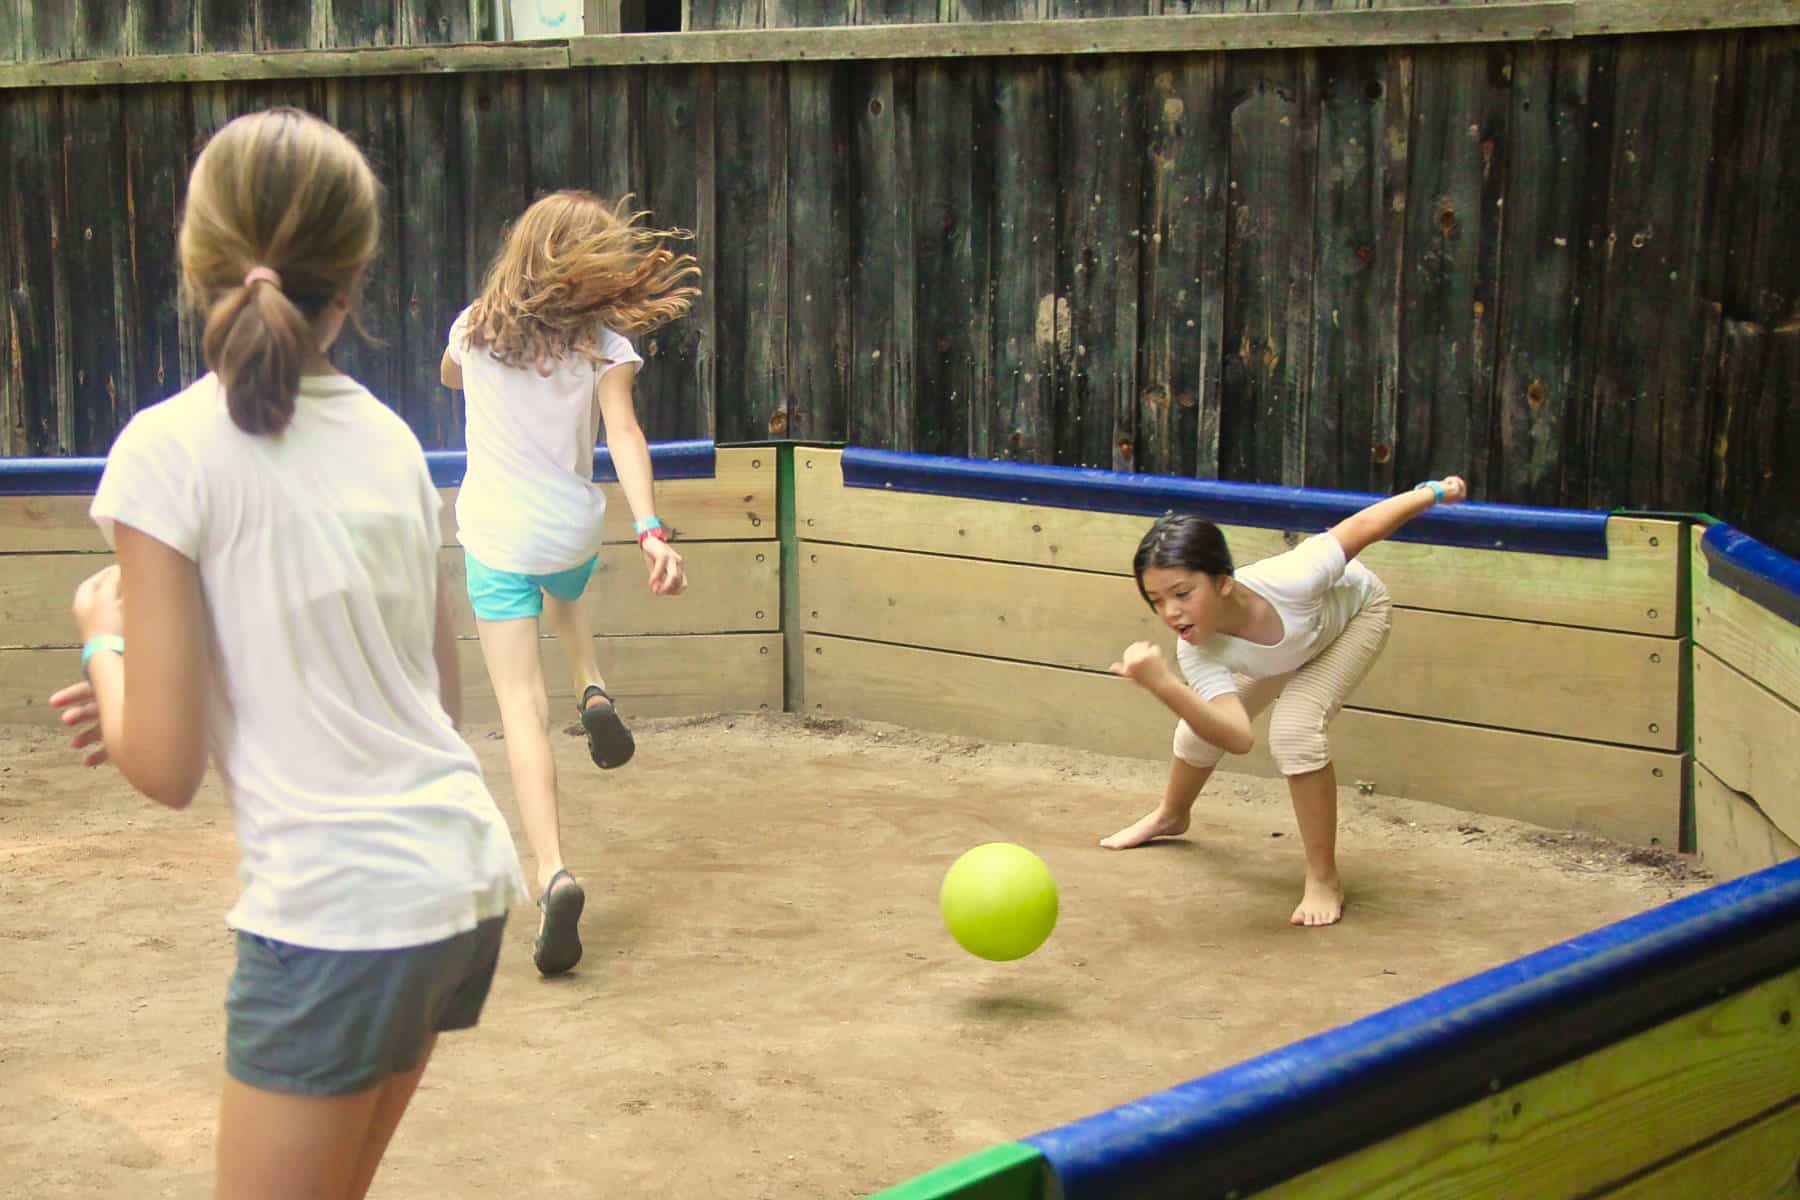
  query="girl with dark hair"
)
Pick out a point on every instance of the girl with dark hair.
point(1298, 630)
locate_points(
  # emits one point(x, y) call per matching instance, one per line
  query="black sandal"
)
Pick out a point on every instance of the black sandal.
point(610, 744)
point(558, 945)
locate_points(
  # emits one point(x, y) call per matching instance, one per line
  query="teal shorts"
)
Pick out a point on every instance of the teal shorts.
point(507, 596)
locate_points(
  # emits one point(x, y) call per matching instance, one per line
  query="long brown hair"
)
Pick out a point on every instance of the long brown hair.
point(283, 191)
point(570, 264)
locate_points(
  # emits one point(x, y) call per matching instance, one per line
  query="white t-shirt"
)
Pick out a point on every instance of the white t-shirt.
point(528, 503)
point(1314, 591)
point(361, 815)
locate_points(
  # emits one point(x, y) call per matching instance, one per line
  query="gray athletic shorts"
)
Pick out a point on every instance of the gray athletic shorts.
point(336, 1022)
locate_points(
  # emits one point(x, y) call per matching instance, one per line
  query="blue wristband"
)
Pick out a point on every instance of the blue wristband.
point(1437, 489)
point(103, 641)
point(646, 525)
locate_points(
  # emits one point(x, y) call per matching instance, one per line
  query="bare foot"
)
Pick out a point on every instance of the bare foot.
point(1157, 824)
point(1321, 904)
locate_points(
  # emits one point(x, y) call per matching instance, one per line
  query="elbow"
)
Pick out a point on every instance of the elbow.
point(1242, 742)
point(173, 786)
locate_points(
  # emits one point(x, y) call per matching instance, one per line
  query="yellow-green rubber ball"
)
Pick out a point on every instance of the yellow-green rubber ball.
point(999, 901)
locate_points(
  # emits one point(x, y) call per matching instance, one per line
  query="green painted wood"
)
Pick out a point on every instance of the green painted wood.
point(1010, 1171)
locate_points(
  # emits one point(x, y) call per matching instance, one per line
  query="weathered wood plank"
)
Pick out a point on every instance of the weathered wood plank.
point(1593, 685)
point(882, 286)
point(818, 344)
point(1181, 346)
point(1360, 227)
point(1028, 320)
point(649, 676)
point(556, 121)
point(673, 142)
point(157, 140)
point(1657, 1093)
point(495, 165)
point(1759, 435)
point(1761, 190)
point(243, 64)
point(1746, 735)
point(1628, 794)
point(724, 14)
point(368, 111)
point(1451, 286)
point(224, 26)
point(1269, 277)
point(1755, 1162)
point(1651, 417)
point(1632, 590)
point(734, 587)
point(953, 223)
point(438, 21)
point(104, 27)
point(37, 300)
point(752, 280)
point(10, 49)
point(1733, 836)
point(1742, 633)
point(1100, 183)
point(284, 25)
point(163, 27)
point(12, 397)
point(1550, 125)
point(51, 30)
point(364, 23)
point(429, 242)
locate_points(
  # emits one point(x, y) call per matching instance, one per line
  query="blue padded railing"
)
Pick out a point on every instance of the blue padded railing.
point(1252, 1124)
point(80, 476)
point(1748, 567)
point(1567, 532)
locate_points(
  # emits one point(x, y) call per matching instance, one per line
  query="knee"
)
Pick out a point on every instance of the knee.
point(523, 705)
point(1297, 739)
point(1193, 749)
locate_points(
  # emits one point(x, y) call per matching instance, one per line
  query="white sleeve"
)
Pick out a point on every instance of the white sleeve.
point(1307, 571)
point(152, 484)
point(459, 332)
point(1209, 679)
point(617, 349)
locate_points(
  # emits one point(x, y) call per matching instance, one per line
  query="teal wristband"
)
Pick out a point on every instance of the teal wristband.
point(104, 641)
point(646, 525)
point(1437, 489)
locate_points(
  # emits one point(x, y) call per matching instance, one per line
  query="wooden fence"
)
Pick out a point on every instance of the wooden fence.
point(1564, 267)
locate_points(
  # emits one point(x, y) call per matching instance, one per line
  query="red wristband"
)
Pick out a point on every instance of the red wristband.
point(659, 533)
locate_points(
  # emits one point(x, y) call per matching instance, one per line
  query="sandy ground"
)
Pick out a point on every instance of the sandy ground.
point(770, 1005)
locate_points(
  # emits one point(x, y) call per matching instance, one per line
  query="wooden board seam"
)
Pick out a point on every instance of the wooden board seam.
point(1381, 712)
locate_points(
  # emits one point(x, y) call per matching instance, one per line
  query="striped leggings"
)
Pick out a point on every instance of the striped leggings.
point(1305, 700)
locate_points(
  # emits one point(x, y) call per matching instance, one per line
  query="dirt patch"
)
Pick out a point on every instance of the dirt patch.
point(770, 1005)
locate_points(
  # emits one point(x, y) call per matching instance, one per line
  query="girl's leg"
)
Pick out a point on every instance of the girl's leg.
point(1315, 812)
point(569, 621)
point(510, 649)
point(390, 1106)
point(1169, 818)
point(1192, 765)
point(1298, 743)
point(278, 1146)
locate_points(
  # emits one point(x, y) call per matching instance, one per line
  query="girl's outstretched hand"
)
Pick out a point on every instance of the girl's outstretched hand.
point(1455, 489)
point(81, 712)
point(1142, 663)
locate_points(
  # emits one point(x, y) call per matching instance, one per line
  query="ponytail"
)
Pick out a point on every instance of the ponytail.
point(277, 198)
point(256, 341)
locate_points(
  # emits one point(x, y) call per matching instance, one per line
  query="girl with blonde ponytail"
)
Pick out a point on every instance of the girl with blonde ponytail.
point(276, 532)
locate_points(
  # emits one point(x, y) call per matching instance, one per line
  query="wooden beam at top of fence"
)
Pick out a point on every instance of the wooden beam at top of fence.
point(1438, 25)
point(288, 64)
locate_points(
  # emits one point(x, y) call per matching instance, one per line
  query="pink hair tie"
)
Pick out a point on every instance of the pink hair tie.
point(262, 275)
